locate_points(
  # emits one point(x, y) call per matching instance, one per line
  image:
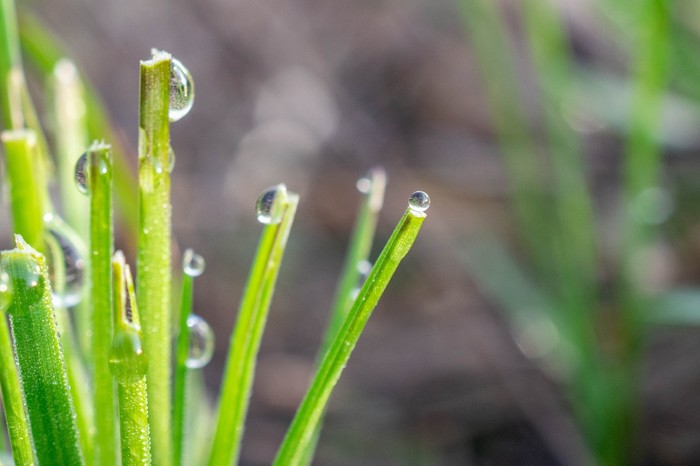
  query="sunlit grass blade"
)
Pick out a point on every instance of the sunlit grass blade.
point(25, 188)
point(99, 187)
point(128, 364)
point(153, 273)
point(193, 266)
point(250, 323)
point(40, 359)
point(372, 188)
point(10, 64)
point(12, 399)
point(301, 431)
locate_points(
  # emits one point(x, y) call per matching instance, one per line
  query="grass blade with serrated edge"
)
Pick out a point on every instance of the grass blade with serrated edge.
point(99, 185)
point(245, 339)
point(359, 250)
point(301, 431)
point(40, 359)
point(128, 364)
point(12, 400)
point(154, 273)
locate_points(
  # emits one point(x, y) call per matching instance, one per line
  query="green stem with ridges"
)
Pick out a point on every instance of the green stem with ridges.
point(25, 188)
point(12, 400)
point(128, 363)
point(154, 273)
point(99, 181)
point(301, 431)
point(181, 369)
point(40, 359)
point(359, 250)
point(245, 339)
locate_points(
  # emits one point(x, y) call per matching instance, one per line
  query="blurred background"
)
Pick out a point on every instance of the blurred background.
point(548, 312)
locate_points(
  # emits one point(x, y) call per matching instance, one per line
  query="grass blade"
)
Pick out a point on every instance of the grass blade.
point(301, 431)
point(12, 400)
point(128, 364)
point(245, 339)
point(153, 274)
point(99, 185)
point(40, 359)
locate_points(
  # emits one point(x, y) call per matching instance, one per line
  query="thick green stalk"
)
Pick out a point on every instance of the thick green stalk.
point(128, 363)
point(40, 358)
point(301, 431)
point(245, 339)
point(12, 400)
point(372, 189)
point(99, 185)
point(25, 188)
point(181, 369)
point(154, 274)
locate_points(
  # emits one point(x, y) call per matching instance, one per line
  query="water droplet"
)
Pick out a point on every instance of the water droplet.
point(81, 174)
point(364, 267)
point(653, 206)
point(192, 263)
point(201, 346)
point(66, 262)
point(270, 206)
point(364, 185)
point(181, 90)
point(127, 361)
point(171, 159)
point(419, 201)
point(5, 291)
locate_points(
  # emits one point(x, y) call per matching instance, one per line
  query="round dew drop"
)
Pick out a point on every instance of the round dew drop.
point(193, 264)
point(66, 263)
point(81, 174)
point(127, 361)
point(181, 90)
point(419, 201)
point(5, 291)
point(201, 347)
point(269, 206)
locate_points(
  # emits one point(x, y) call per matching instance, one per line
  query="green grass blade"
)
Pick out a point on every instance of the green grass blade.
point(372, 189)
point(301, 431)
point(99, 184)
point(245, 339)
point(12, 400)
point(154, 273)
point(40, 359)
point(10, 63)
point(25, 188)
point(128, 363)
point(180, 390)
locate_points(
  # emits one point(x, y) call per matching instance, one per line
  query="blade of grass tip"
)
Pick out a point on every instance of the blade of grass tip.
point(490, 42)
point(154, 273)
point(301, 431)
point(193, 266)
point(40, 359)
point(276, 208)
point(372, 188)
point(44, 53)
point(25, 200)
point(128, 363)
point(99, 186)
point(12, 400)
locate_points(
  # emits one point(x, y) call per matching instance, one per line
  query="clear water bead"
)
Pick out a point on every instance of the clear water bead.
point(66, 262)
point(81, 174)
point(5, 291)
point(364, 185)
point(419, 201)
point(270, 205)
point(127, 361)
point(192, 263)
point(181, 90)
point(201, 347)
